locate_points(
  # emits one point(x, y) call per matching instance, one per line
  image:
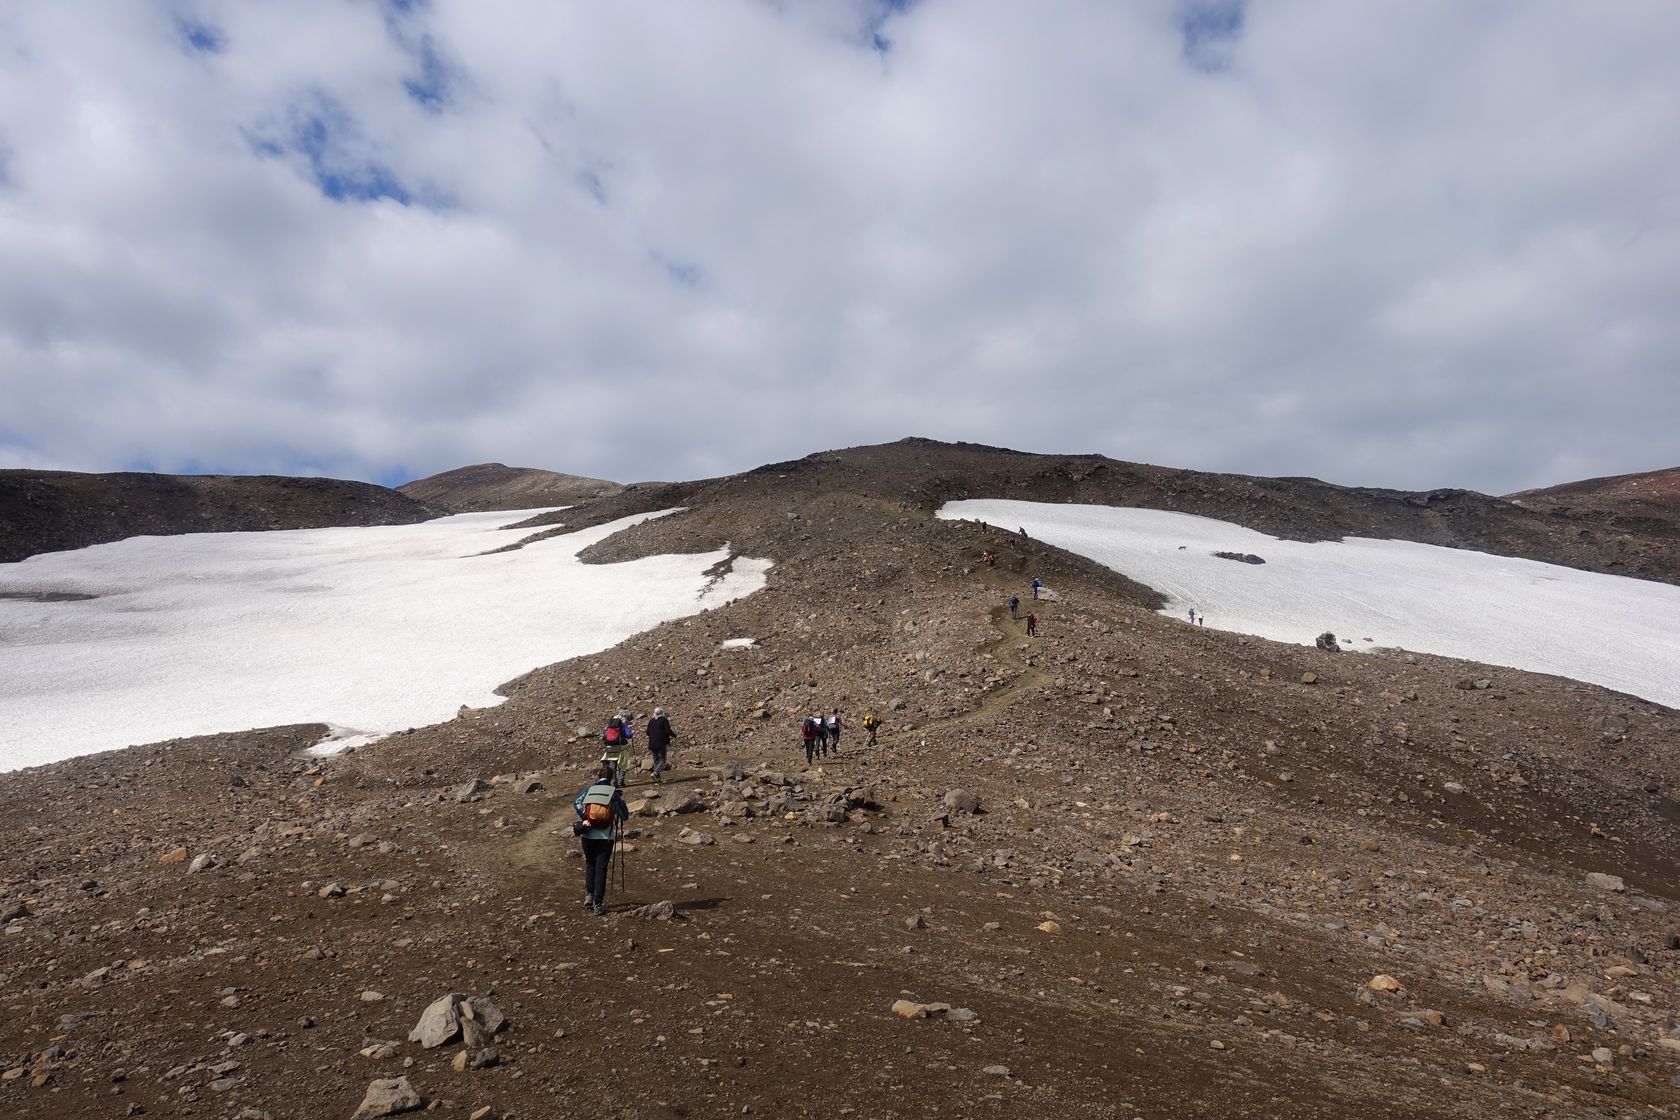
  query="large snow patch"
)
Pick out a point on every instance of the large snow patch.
point(368, 630)
point(1610, 630)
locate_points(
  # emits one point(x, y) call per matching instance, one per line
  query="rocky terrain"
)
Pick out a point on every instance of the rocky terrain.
point(1649, 495)
point(491, 486)
point(1129, 868)
point(48, 511)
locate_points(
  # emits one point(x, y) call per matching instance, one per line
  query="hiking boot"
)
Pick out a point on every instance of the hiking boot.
point(600, 909)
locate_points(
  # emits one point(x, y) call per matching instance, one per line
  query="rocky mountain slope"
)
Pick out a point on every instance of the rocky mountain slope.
point(492, 486)
point(1126, 868)
point(47, 511)
point(1648, 496)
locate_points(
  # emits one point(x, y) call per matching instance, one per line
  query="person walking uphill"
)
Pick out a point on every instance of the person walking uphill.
point(1014, 607)
point(871, 725)
point(615, 746)
point(833, 725)
point(808, 732)
point(659, 736)
point(600, 808)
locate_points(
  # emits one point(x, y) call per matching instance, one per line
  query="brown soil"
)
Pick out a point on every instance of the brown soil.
point(1630, 500)
point(48, 511)
point(491, 486)
point(1231, 856)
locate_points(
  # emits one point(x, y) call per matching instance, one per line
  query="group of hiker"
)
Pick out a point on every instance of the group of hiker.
point(1032, 616)
point(600, 806)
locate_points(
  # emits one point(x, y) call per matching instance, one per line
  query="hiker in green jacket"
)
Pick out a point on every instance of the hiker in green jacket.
point(600, 807)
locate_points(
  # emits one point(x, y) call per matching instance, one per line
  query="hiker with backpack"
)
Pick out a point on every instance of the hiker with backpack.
point(808, 733)
point(615, 747)
point(1035, 586)
point(832, 725)
point(870, 724)
point(659, 736)
point(822, 733)
point(599, 807)
point(1014, 607)
point(1032, 626)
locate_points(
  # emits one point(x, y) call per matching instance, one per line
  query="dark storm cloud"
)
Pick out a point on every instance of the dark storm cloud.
point(1418, 244)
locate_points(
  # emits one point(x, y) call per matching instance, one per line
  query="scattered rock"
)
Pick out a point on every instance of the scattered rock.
point(471, 791)
point(203, 862)
point(689, 836)
point(662, 911)
point(1605, 882)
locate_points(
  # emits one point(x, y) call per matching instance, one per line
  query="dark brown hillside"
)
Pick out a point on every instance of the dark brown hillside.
point(49, 511)
point(925, 474)
point(492, 486)
point(1631, 500)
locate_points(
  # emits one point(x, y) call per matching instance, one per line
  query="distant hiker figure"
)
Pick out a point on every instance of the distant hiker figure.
point(991, 559)
point(870, 724)
point(822, 733)
point(600, 808)
point(1036, 586)
point(833, 726)
point(1192, 616)
point(808, 733)
point(615, 746)
point(1014, 607)
point(1032, 625)
point(659, 736)
point(1023, 530)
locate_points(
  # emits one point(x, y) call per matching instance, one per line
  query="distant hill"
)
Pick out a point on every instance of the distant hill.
point(490, 486)
point(49, 511)
point(1650, 494)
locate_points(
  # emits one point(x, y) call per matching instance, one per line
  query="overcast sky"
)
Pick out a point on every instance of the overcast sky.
point(1395, 242)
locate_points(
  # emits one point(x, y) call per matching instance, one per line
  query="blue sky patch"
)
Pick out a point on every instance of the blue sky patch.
point(201, 36)
point(337, 155)
point(431, 88)
point(1211, 31)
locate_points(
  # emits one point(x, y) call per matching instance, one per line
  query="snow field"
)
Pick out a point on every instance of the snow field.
point(368, 630)
point(1613, 631)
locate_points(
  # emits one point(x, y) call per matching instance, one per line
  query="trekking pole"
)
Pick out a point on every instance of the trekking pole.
point(618, 843)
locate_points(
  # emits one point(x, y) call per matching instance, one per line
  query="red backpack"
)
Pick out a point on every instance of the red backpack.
point(808, 728)
point(613, 735)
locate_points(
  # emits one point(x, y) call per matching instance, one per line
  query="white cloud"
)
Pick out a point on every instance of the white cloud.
point(1416, 243)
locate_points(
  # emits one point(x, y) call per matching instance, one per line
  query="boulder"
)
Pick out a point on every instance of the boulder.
point(471, 790)
point(961, 801)
point(1605, 882)
point(1327, 642)
point(439, 1023)
point(387, 1097)
point(527, 785)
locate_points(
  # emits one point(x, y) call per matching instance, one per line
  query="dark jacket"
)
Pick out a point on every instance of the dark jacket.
point(659, 733)
point(621, 811)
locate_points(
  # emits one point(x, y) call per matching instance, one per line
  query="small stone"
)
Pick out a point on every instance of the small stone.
point(331, 890)
point(1216, 1045)
point(373, 997)
point(1383, 983)
point(203, 862)
point(909, 1009)
point(1605, 882)
point(179, 855)
point(1309, 678)
point(1049, 926)
point(996, 1071)
point(915, 921)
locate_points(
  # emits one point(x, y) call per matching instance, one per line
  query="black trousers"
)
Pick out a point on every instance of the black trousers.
point(597, 855)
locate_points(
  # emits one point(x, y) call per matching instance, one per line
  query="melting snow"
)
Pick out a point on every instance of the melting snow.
point(1610, 630)
point(737, 643)
point(368, 630)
